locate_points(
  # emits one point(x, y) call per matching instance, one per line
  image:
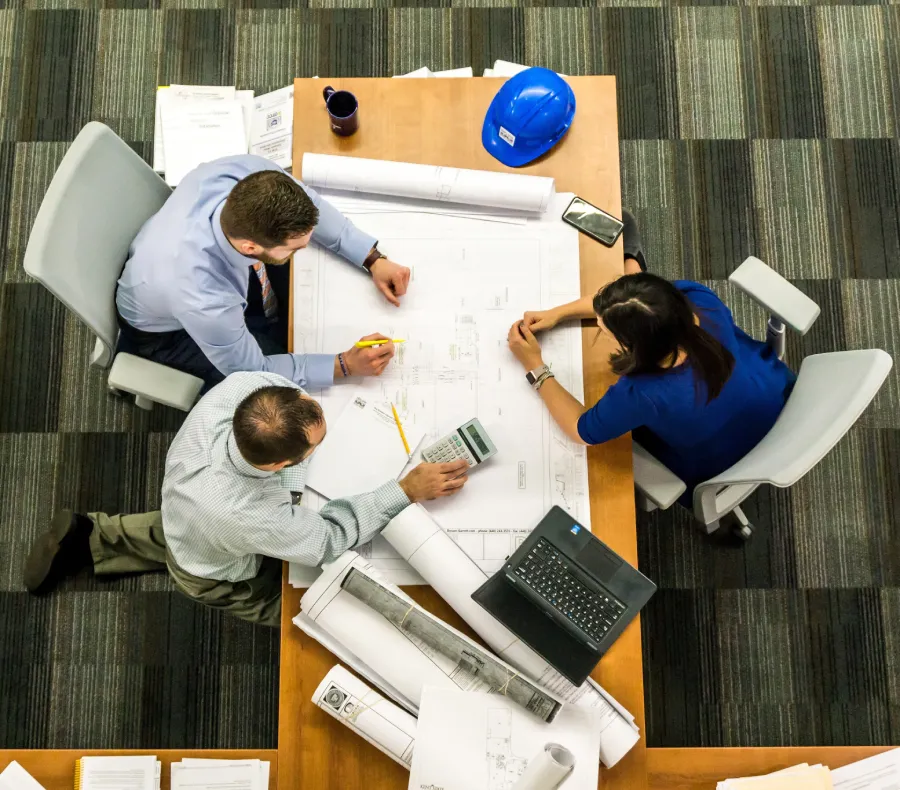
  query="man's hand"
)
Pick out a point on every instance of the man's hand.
point(539, 320)
point(390, 278)
point(524, 346)
point(430, 481)
point(369, 361)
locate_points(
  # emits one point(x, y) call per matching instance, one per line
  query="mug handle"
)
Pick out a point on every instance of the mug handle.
point(327, 93)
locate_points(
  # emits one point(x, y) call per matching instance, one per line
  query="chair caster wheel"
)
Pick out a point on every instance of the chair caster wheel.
point(744, 531)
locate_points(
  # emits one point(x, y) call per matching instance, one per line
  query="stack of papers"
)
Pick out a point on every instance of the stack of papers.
point(198, 123)
point(139, 772)
point(202, 774)
point(881, 772)
point(505, 68)
point(427, 72)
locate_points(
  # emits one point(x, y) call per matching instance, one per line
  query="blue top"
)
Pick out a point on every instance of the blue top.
point(695, 439)
point(182, 273)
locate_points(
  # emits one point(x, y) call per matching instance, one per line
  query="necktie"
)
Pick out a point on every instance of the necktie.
point(270, 303)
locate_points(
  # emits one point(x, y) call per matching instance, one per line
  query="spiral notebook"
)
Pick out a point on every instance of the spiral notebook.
point(138, 772)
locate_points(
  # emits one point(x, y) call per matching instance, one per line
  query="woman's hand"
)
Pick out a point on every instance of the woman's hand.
point(539, 320)
point(524, 346)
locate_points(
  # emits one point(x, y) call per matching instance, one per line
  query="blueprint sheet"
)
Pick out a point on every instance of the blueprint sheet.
point(470, 280)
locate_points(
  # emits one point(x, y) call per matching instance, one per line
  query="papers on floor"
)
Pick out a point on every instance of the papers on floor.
point(385, 725)
point(429, 182)
point(468, 741)
point(15, 777)
point(137, 772)
point(881, 772)
point(197, 123)
point(194, 773)
point(361, 451)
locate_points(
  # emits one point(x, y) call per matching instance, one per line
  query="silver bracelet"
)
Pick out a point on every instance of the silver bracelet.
point(540, 382)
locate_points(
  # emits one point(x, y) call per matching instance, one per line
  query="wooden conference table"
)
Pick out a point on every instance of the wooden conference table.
point(438, 121)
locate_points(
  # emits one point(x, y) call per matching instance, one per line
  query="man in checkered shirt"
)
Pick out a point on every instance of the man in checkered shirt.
point(230, 505)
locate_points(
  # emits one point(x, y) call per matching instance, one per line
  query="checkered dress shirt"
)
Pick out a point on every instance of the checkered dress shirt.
point(221, 515)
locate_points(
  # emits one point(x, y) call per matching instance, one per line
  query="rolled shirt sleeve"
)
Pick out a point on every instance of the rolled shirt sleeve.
point(223, 337)
point(337, 233)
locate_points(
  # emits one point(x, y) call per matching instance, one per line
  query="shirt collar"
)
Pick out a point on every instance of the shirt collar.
point(229, 253)
point(240, 463)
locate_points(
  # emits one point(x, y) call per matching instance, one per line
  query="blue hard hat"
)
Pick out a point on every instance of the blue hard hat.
point(529, 115)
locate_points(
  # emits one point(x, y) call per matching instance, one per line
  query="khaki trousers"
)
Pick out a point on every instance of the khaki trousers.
point(136, 544)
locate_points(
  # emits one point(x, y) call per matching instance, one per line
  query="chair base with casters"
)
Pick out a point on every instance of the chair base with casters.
point(99, 198)
point(831, 392)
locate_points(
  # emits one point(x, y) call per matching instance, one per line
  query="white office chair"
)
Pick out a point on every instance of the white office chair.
point(99, 198)
point(831, 392)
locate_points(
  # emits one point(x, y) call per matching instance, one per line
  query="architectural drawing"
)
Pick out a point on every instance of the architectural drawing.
point(504, 768)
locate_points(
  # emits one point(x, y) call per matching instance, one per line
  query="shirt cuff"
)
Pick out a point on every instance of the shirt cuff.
point(319, 370)
point(391, 501)
point(357, 246)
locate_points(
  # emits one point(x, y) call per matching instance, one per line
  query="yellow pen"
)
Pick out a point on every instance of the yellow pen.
point(370, 343)
point(400, 428)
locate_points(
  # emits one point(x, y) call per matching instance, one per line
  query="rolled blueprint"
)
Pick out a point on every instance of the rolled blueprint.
point(437, 635)
point(405, 662)
point(387, 727)
point(429, 182)
point(432, 553)
point(547, 770)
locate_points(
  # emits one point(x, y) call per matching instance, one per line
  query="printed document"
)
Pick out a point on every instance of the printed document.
point(195, 132)
point(881, 772)
point(361, 451)
point(467, 741)
point(271, 131)
point(178, 93)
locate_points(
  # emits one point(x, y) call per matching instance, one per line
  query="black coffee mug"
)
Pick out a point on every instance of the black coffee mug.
point(343, 111)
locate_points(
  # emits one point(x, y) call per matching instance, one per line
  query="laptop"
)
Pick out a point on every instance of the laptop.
point(566, 594)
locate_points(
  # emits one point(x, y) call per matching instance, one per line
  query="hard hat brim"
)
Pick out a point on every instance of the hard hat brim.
point(507, 154)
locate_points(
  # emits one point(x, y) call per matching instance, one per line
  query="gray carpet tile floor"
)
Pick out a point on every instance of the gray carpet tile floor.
point(747, 128)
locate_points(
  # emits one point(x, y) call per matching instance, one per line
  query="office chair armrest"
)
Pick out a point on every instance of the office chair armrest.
point(654, 479)
point(783, 300)
point(155, 382)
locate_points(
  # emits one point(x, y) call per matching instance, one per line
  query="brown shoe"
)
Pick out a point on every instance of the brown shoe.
point(60, 552)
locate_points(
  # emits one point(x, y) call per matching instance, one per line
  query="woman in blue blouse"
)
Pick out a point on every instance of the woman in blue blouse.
point(698, 392)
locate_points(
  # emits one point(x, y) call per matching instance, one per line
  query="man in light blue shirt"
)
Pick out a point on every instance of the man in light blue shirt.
point(204, 289)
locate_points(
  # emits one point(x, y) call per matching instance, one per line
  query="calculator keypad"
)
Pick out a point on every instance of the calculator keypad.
point(447, 450)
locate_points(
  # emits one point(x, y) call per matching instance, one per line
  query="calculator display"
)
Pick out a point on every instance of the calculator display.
point(479, 442)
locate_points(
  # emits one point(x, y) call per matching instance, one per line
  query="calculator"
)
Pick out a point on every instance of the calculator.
point(470, 441)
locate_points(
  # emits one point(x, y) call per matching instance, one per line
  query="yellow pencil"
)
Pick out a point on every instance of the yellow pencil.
point(370, 343)
point(400, 428)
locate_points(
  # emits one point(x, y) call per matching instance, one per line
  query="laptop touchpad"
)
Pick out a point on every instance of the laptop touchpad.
point(599, 560)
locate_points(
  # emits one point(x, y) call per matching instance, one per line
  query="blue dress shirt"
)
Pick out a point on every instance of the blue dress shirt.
point(695, 439)
point(182, 273)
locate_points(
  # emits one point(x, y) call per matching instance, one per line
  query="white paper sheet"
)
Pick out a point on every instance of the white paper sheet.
point(506, 68)
point(419, 539)
point(456, 365)
point(195, 132)
point(429, 182)
point(133, 772)
point(881, 772)
point(15, 777)
point(468, 741)
point(245, 99)
point(234, 776)
point(386, 726)
point(263, 767)
point(361, 451)
point(466, 71)
point(272, 128)
point(546, 770)
point(423, 72)
point(167, 93)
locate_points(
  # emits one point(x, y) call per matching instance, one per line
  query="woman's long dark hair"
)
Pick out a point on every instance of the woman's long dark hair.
point(653, 320)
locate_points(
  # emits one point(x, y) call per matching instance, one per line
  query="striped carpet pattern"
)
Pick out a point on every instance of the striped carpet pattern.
point(755, 127)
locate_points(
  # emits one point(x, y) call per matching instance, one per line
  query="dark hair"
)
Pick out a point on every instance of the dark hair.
point(653, 320)
point(272, 425)
point(268, 208)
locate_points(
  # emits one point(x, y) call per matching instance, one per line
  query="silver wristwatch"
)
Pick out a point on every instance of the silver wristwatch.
point(535, 377)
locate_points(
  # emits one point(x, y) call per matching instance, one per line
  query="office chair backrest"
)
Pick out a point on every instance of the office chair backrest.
point(831, 392)
point(99, 198)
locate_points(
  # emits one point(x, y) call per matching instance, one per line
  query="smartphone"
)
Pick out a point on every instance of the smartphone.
point(593, 221)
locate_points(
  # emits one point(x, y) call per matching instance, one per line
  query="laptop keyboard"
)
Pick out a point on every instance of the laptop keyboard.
point(546, 571)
